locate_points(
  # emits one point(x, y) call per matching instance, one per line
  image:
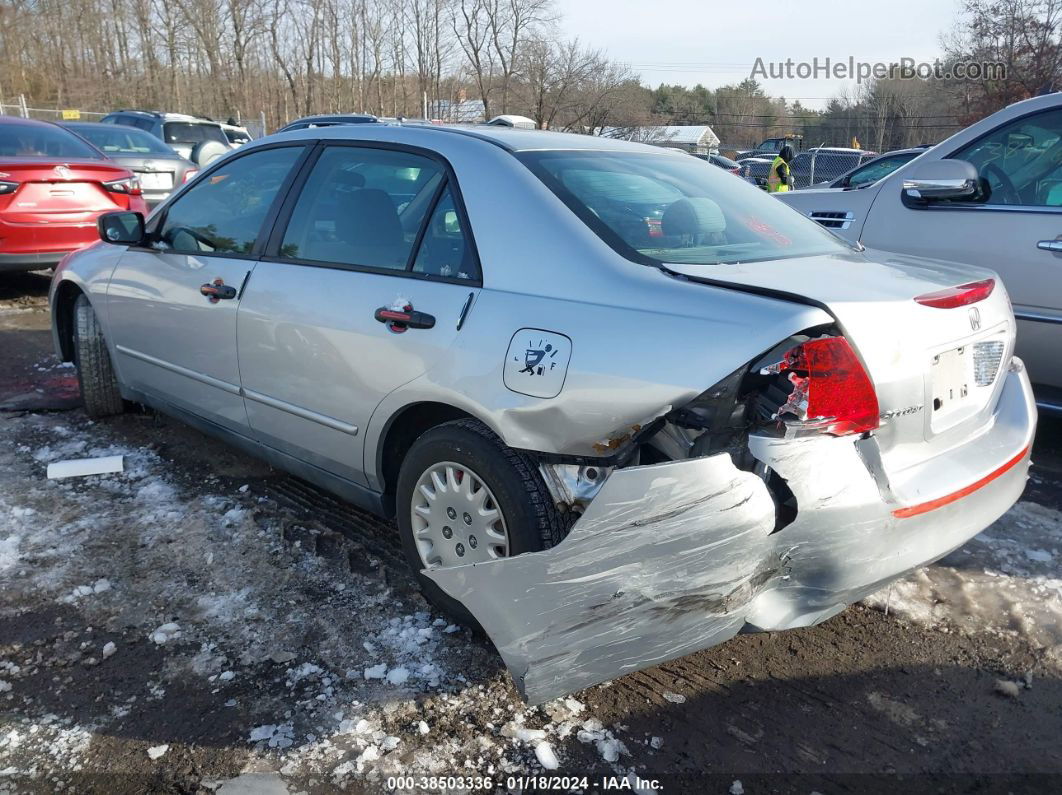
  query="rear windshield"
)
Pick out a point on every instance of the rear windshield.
point(658, 208)
point(115, 140)
point(188, 132)
point(31, 140)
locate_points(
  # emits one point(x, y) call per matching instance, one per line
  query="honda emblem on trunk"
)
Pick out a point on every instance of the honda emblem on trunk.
point(975, 318)
point(63, 172)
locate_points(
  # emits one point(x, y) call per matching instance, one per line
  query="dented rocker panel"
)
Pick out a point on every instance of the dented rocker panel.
point(676, 557)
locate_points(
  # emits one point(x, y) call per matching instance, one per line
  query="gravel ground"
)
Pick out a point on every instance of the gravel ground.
point(201, 622)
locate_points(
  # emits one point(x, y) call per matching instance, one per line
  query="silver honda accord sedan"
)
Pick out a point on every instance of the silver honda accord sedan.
point(621, 405)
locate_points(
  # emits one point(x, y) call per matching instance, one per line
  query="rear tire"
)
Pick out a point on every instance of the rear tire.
point(531, 520)
point(95, 375)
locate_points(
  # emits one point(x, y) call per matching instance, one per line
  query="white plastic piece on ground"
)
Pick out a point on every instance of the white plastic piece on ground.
point(546, 757)
point(80, 467)
point(157, 751)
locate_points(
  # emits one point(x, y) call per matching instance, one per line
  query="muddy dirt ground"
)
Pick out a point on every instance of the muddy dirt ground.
point(203, 623)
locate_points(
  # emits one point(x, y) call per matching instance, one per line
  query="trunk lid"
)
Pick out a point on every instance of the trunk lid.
point(70, 192)
point(937, 372)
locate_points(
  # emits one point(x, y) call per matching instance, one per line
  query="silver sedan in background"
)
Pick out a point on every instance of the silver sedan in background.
point(621, 405)
point(159, 167)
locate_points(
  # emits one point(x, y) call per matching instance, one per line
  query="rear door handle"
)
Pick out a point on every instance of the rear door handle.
point(1054, 246)
point(217, 290)
point(398, 320)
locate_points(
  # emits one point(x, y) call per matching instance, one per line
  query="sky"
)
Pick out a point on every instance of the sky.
point(715, 43)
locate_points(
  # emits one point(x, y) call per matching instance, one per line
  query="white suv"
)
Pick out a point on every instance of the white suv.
point(200, 140)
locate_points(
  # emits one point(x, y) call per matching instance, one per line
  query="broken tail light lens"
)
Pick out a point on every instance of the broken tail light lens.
point(832, 393)
point(962, 295)
point(189, 175)
point(129, 185)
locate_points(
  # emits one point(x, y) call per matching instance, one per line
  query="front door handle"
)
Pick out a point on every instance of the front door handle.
point(217, 290)
point(398, 320)
point(1054, 246)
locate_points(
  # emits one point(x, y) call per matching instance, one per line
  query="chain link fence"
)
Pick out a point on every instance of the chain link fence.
point(18, 106)
point(814, 167)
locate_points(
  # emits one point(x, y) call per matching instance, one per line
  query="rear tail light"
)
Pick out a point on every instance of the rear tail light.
point(735, 170)
point(189, 175)
point(128, 185)
point(832, 393)
point(8, 187)
point(964, 294)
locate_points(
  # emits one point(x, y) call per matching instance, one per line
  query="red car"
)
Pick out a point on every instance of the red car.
point(53, 187)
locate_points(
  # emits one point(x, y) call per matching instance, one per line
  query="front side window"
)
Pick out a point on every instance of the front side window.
point(1020, 162)
point(224, 212)
point(877, 169)
point(661, 208)
point(363, 207)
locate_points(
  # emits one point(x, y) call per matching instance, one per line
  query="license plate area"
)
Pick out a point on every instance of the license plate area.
point(954, 395)
point(156, 180)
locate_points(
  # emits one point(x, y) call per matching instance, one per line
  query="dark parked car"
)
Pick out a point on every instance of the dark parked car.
point(755, 170)
point(724, 163)
point(329, 120)
point(159, 167)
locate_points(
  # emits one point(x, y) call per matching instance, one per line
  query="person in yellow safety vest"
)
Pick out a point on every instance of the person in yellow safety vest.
point(780, 177)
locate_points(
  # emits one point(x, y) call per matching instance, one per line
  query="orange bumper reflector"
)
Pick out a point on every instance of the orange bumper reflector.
point(940, 502)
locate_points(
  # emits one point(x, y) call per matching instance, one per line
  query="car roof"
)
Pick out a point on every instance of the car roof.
point(166, 116)
point(99, 124)
point(512, 139)
point(334, 117)
point(839, 150)
point(25, 122)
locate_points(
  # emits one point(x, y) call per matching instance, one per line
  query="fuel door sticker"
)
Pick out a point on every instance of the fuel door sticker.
point(537, 362)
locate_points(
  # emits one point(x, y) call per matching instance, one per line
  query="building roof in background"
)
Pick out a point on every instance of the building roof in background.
point(684, 135)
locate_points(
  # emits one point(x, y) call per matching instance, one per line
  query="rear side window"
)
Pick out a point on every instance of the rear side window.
point(444, 249)
point(43, 140)
point(184, 132)
point(367, 208)
point(223, 213)
point(657, 208)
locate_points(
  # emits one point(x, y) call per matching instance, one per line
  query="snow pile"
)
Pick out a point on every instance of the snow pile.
point(343, 674)
point(1006, 581)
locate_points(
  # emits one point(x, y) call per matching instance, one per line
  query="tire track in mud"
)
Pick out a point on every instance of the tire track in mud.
point(366, 537)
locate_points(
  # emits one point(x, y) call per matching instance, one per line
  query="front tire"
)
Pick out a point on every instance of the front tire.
point(464, 497)
point(95, 375)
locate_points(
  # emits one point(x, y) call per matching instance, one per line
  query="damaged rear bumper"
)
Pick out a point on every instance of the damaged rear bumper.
point(672, 558)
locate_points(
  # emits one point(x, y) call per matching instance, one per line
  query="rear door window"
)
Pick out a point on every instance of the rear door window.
point(656, 208)
point(363, 207)
point(223, 213)
point(183, 132)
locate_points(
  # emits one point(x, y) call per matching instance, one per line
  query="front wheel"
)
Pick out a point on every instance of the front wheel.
point(464, 497)
point(95, 375)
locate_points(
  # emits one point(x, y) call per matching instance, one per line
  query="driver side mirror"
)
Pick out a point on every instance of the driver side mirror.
point(121, 228)
point(940, 180)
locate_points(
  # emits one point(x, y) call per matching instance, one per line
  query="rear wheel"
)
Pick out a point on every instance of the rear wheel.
point(99, 386)
point(464, 497)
